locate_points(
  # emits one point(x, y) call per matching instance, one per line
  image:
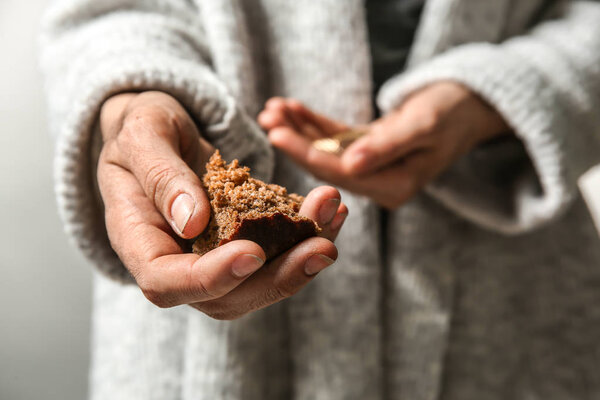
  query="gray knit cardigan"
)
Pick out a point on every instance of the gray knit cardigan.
point(486, 286)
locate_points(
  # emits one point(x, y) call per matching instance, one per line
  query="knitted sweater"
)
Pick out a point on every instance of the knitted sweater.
point(485, 286)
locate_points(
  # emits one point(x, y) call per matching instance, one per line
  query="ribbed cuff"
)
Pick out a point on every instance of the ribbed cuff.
point(223, 124)
point(532, 107)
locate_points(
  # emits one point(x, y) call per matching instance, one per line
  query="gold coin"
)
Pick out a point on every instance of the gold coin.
point(328, 145)
point(340, 141)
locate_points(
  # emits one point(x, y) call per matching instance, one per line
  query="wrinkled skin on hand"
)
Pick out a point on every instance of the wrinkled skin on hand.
point(148, 174)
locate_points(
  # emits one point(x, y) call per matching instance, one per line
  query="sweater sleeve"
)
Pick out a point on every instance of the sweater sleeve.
point(94, 49)
point(546, 85)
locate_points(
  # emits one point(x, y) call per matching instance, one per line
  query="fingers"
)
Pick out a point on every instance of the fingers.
point(398, 183)
point(166, 276)
point(299, 121)
point(281, 105)
point(324, 124)
point(280, 279)
point(112, 113)
point(152, 146)
point(171, 280)
point(323, 165)
point(281, 112)
point(323, 204)
point(389, 186)
point(388, 140)
point(275, 114)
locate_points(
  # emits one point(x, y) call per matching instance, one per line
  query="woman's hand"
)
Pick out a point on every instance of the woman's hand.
point(148, 177)
point(402, 152)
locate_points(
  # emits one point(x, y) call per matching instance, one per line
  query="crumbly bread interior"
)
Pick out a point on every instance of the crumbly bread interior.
point(247, 208)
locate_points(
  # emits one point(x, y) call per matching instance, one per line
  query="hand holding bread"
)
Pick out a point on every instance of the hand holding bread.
point(148, 174)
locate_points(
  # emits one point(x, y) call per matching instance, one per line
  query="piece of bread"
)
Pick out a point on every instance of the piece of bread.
point(246, 208)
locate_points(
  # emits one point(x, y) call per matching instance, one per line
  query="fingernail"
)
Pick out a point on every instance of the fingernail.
point(338, 221)
point(328, 210)
point(246, 264)
point(317, 263)
point(181, 210)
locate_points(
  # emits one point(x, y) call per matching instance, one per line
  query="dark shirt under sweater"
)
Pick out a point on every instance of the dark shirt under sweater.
point(392, 25)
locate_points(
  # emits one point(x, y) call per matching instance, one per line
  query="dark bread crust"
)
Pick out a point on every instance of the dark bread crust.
point(246, 208)
point(275, 233)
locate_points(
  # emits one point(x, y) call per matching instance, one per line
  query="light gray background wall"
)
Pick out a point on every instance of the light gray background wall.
point(44, 283)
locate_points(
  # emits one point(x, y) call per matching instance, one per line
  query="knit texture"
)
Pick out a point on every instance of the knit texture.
point(484, 287)
point(544, 97)
point(146, 46)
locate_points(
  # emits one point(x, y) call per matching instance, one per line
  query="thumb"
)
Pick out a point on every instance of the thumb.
point(387, 141)
point(177, 193)
point(168, 181)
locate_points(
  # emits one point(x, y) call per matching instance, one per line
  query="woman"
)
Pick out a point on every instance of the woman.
point(479, 281)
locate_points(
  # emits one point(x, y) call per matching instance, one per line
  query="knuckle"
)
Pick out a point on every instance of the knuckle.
point(289, 286)
point(127, 142)
point(281, 291)
point(135, 252)
point(294, 103)
point(155, 296)
point(266, 298)
point(147, 122)
point(216, 311)
point(156, 293)
point(206, 285)
point(428, 123)
point(113, 237)
point(144, 115)
point(224, 316)
point(131, 134)
point(159, 178)
point(204, 288)
point(109, 154)
point(270, 296)
point(119, 238)
point(275, 102)
point(105, 154)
